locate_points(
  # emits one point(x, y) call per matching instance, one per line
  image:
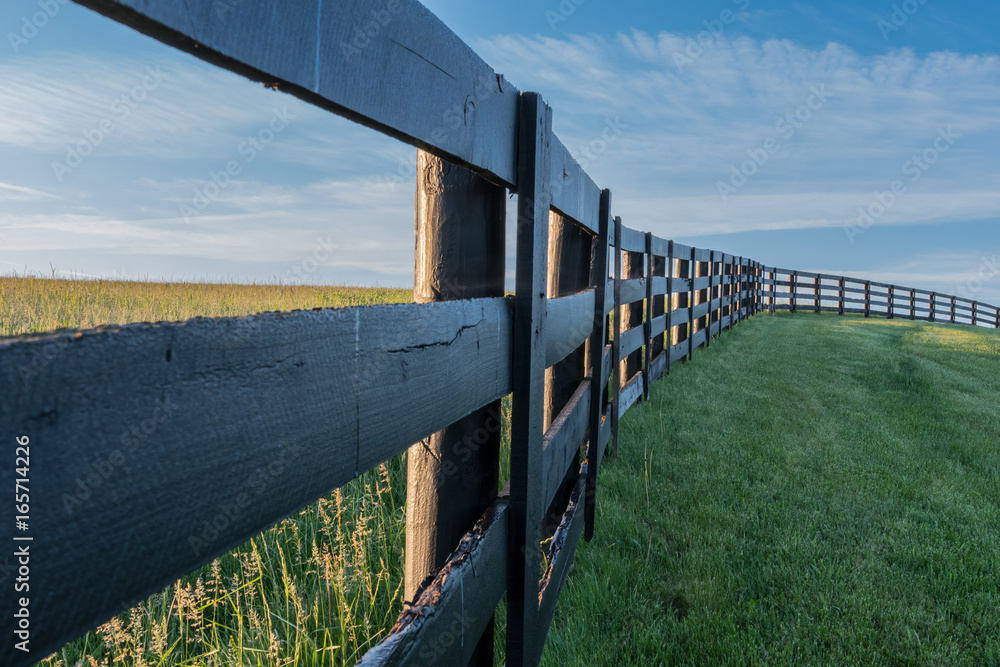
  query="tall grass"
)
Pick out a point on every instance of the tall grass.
point(29, 304)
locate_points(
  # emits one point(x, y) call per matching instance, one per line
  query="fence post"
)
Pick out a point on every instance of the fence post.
point(598, 343)
point(841, 295)
point(933, 313)
point(460, 221)
point(756, 288)
point(727, 271)
point(758, 293)
point(892, 302)
point(795, 289)
point(668, 304)
point(616, 384)
point(774, 290)
point(816, 294)
point(692, 272)
point(952, 310)
point(913, 304)
point(650, 314)
point(737, 289)
point(524, 645)
point(709, 294)
point(868, 298)
point(975, 313)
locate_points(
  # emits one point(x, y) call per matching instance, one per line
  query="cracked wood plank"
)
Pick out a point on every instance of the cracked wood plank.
point(160, 446)
point(562, 552)
point(394, 67)
point(445, 622)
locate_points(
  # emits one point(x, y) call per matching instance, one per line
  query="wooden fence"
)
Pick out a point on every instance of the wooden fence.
point(820, 292)
point(144, 436)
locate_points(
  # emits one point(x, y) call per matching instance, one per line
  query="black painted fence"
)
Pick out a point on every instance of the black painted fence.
point(164, 408)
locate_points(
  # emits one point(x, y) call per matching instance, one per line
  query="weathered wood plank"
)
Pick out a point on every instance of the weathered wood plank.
point(658, 285)
point(570, 323)
point(680, 285)
point(661, 247)
point(632, 290)
point(443, 624)
point(700, 337)
point(562, 552)
point(632, 340)
point(682, 251)
point(574, 193)
point(630, 394)
point(701, 283)
point(402, 72)
point(678, 351)
point(702, 254)
point(658, 325)
point(605, 433)
point(658, 366)
point(319, 395)
point(563, 440)
point(632, 240)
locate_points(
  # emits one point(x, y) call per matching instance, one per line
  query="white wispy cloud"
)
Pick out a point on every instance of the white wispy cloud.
point(10, 192)
point(691, 121)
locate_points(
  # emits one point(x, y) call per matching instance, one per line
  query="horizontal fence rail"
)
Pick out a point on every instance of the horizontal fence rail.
point(820, 292)
point(149, 440)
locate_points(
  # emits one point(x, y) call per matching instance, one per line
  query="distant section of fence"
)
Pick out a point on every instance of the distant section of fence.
point(820, 292)
point(174, 418)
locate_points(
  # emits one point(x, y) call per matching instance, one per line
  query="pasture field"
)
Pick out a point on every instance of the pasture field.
point(810, 490)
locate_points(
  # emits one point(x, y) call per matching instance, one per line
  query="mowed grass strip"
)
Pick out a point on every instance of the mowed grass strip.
point(811, 490)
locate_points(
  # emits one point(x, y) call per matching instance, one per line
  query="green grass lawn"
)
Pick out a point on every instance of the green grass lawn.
point(811, 490)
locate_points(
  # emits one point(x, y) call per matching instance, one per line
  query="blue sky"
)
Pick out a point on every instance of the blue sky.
point(845, 137)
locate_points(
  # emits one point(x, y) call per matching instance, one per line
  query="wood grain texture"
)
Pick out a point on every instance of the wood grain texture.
point(563, 439)
point(616, 381)
point(574, 193)
point(601, 370)
point(632, 240)
point(460, 224)
point(561, 554)
point(524, 642)
point(657, 368)
point(632, 290)
point(630, 394)
point(440, 628)
point(570, 322)
point(407, 76)
point(632, 340)
point(318, 396)
point(660, 247)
